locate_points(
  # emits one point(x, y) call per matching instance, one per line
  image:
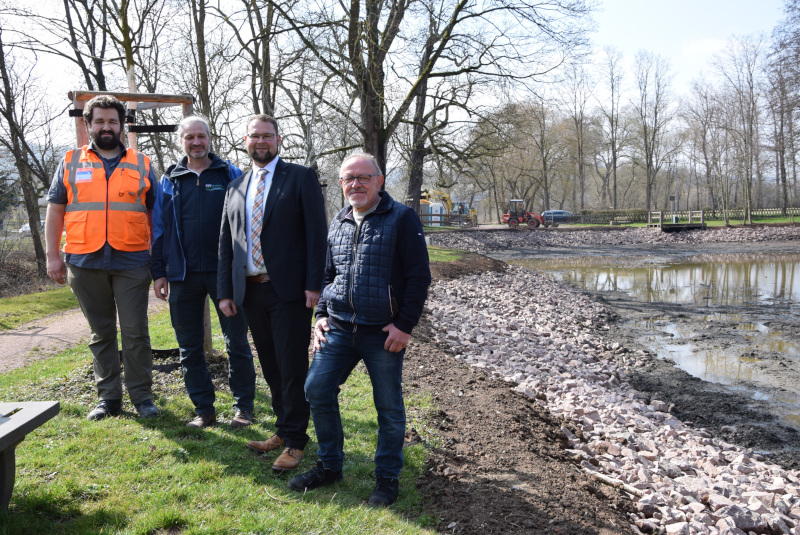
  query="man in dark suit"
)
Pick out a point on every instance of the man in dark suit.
point(271, 263)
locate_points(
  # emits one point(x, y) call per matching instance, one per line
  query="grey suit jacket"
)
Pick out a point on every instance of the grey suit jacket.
point(293, 235)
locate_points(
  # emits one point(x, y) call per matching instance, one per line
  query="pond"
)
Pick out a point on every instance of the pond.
point(720, 318)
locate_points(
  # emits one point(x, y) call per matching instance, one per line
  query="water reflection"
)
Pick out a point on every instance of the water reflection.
point(734, 280)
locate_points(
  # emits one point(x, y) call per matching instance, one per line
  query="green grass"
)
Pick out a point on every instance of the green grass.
point(15, 311)
point(442, 254)
point(129, 476)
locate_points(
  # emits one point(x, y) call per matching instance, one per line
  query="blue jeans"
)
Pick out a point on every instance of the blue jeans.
point(330, 368)
point(186, 299)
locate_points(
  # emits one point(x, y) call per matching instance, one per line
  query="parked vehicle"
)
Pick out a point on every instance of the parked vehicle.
point(554, 217)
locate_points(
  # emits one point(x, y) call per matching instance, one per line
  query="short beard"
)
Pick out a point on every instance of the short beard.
point(268, 157)
point(105, 144)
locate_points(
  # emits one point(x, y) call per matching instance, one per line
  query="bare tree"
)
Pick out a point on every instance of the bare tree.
point(26, 120)
point(486, 37)
point(739, 67)
point(782, 103)
point(702, 116)
point(575, 102)
point(654, 113)
point(611, 112)
point(73, 34)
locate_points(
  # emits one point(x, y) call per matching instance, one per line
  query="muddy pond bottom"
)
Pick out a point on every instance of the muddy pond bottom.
point(726, 319)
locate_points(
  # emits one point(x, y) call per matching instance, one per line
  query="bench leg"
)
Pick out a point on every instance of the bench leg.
point(7, 474)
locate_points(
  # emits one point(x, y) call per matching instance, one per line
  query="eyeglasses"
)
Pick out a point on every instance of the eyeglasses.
point(262, 137)
point(362, 179)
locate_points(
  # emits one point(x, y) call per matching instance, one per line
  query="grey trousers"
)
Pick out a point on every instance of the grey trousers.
point(102, 296)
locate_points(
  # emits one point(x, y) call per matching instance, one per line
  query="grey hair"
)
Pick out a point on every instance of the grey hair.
point(189, 120)
point(366, 156)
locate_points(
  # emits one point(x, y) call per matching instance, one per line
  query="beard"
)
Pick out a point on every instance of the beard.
point(262, 157)
point(105, 141)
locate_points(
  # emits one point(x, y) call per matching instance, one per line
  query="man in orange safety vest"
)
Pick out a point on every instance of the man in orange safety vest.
point(102, 195)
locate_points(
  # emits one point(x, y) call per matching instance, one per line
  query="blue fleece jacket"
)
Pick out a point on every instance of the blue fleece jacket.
point(187, 216)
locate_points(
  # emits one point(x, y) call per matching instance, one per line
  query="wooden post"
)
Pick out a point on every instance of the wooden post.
point(80, 126)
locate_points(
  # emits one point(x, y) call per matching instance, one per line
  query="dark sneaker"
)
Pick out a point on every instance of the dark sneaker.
point(241, 419)
point(385, 492)
point(319, 476)
point(147, 409)
point(106, 407)
point(202, 420)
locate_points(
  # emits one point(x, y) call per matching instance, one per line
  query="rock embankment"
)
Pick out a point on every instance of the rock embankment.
point(553, 344)
point(499, 240)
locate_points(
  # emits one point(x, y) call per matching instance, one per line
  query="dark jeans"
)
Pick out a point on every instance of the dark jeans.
point(281, 332)
point(186, 299)
point(330, 368)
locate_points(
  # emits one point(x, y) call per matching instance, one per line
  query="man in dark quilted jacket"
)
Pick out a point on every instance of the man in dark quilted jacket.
point(376, 281)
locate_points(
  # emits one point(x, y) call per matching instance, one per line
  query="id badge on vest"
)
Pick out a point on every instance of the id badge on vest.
point(83, 174)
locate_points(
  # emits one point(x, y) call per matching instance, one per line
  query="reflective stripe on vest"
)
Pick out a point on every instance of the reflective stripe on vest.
point(94, 212)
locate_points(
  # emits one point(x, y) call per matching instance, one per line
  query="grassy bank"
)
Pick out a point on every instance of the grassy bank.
point(129, 476)
point(15, 311)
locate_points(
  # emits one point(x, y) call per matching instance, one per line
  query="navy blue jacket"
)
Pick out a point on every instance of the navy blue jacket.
point(378, 274)
point(187, 216)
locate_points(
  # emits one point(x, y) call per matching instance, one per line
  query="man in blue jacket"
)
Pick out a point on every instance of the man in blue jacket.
point(186, 220)
point(375, 285)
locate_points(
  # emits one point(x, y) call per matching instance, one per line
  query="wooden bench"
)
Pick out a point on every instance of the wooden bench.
point(16, 421)
point(620, 222)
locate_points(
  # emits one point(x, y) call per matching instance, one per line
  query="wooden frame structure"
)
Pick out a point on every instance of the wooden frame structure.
point(136, 101)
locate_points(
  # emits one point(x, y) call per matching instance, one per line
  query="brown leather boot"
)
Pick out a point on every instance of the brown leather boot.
point(263, 446)
point(289, 459)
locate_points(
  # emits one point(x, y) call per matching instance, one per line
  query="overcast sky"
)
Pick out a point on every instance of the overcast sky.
point(686, 32)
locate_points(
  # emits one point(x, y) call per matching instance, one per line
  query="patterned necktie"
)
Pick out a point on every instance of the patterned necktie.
point(258, 219)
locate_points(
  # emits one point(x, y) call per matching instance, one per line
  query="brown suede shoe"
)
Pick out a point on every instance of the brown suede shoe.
point(263, 446)
point(241, 419)
point(289, 459)
point(202, 420)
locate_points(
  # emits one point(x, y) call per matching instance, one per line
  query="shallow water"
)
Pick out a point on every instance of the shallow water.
point(713, 281)
point(745, 292)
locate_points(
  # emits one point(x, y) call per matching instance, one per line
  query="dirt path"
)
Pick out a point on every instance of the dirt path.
point(41, 338)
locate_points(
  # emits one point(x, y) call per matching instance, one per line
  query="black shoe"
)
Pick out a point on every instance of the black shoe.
point(147, 409)
point(106, 407)
point(319, 476)
point(385, 492)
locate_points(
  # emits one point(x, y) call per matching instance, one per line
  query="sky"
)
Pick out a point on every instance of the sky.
point(686, 32)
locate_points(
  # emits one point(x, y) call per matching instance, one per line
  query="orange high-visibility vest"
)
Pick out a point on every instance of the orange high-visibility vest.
point(100, 210)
